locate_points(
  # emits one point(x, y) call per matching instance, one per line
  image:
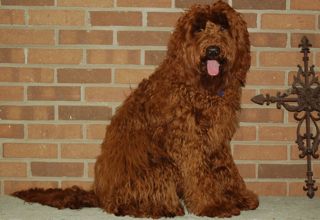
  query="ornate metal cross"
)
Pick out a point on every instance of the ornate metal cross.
point(305, 93)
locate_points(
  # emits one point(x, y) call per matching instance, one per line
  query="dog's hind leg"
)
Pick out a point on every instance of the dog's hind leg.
point(146, 190)
point(153, 195)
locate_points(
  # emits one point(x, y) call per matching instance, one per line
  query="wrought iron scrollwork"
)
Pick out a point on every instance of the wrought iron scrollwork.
point(305, 93)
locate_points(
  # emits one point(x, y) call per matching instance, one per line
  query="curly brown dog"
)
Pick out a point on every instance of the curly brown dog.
point(170, 140)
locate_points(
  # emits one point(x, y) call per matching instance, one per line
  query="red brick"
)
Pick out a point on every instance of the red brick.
point(80, 151)
point(11, 131)
point(260, 5)
point(26, 36)
point(12, 169)
point(11, 16)
point(268, 188)
point(12, 112)
point(28, 75)
point(86, 185)
point(13, 186)
point(143, 38)
point(95, 131)
point(84, 75)
point(163, 19)
point(259, 115)
point(272, 133)
point(316, 170)
point(20, 150)
point(85, 37)
point(28, 2)
point(115, 18)
point(265, 77)
point(288, 21)
point(85, 3)
point(84, 113)
point(253, 58)
point(144, 3)
point(11, 93)
point(313, 38)
point(56, 17)
point(54, 93)
point(245, 133)
point(295, 152)
point(113, 56)
point(189, 3)
point(260, 152)
point(305, 5)
point(247, 170)
point(281, 170)
point(280, 59)
point(106, 94)
point(55, 56)
point(268, 39)
point(52, 131)
point(131, 76)
point(91, 170)
point(296, 189)
point(51, 169)
point(11, 55)
point(251, 19)
point(154, 57)
point(247, 94)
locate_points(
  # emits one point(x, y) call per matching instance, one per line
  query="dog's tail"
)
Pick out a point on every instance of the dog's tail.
point(73, 197)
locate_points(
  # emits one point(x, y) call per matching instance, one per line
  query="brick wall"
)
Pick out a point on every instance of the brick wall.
point(65, 65)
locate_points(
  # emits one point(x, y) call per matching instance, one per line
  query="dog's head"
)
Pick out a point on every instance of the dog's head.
point(214, 43)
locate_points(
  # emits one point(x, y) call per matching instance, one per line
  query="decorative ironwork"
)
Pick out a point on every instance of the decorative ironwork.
point(305, 93)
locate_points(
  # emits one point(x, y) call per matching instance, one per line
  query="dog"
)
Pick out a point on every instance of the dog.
point(170, 139)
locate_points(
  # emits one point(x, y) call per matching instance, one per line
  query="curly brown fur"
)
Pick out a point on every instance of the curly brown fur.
point(170, 140)
point(73, 198)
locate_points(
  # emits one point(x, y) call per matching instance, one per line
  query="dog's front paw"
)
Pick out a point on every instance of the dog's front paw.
point(249, 201)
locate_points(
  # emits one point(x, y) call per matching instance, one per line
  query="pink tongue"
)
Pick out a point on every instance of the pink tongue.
point(213, 67)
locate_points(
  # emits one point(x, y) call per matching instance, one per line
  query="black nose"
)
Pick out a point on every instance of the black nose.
point(212, 52)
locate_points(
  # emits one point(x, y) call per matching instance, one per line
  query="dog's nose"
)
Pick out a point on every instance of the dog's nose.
point(212, 52)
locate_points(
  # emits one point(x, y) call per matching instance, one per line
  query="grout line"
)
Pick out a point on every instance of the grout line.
point(113, 76)
point(87, 19)
point(144, 18)
point(288, 4)
point(142, 57)
point(115, 38)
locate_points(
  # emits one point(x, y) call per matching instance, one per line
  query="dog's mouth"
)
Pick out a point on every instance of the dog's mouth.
point(212, 67)
point(212, 62)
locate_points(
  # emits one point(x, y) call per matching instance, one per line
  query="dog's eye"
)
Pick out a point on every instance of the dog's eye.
point(199, 24)
point(198, 28)
point(221, 20)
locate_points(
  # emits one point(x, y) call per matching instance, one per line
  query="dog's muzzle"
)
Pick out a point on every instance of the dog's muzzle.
point(212, 52)
point(213, 65)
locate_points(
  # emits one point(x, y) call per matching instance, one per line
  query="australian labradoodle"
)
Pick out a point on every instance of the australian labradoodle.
point(170, 140)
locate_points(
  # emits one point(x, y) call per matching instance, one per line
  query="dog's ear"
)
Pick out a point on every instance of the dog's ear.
point(186, 25)
point(239, 32)
point(243, 58)
point(177, 36)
